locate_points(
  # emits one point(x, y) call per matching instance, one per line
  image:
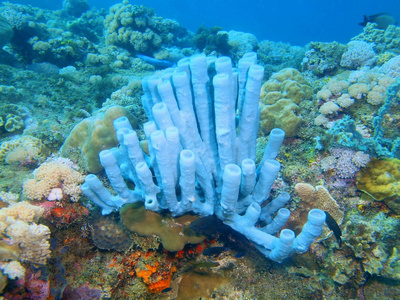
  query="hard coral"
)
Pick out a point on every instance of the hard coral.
point(92, 135)
point(280, 97)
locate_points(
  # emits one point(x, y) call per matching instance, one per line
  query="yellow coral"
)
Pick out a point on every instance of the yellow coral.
point(282, 114)
point(22, 211)
point(53, 174)
point(287, 83)
point(380, 178)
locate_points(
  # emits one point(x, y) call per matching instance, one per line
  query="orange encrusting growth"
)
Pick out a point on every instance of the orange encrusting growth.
point(156, 280)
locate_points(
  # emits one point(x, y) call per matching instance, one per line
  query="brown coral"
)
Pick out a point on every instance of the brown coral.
point(319, 197)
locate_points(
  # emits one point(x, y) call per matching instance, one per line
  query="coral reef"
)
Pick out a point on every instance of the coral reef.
point(339, 106)
point(212, 40)
point(385, 41)
point(374, 242)
point(23, 150)
point(275, 56)
point(323, 59)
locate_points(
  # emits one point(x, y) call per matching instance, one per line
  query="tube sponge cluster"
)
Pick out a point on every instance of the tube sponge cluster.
point(201, 136)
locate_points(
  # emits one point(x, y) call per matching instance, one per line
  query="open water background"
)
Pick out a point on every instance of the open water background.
point(294, 21)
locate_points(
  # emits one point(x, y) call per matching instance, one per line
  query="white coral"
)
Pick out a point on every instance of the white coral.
point(13, 269)
point(32, 239)
point(358, 54)
point(329, 108)
point(392, 67)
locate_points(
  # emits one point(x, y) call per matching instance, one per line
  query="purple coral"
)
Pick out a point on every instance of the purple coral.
point(346, 163)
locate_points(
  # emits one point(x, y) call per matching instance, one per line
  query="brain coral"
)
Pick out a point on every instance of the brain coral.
point(92, 135)
point(287, 83)
point(280, 97)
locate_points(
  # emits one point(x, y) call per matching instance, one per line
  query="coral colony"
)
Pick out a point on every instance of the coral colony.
point(202, 154)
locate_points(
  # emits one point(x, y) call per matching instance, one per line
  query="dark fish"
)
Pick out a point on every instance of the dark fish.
point(210, 226)
point(331, 223)
point(214, 251)
point(166, 290)
point(382, 19)
point(157, 63)
point(240, 254)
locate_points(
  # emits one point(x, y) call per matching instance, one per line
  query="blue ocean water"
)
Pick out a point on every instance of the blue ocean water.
point(294, 21)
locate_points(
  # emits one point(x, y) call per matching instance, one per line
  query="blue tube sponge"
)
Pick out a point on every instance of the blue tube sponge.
point(201, 137)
